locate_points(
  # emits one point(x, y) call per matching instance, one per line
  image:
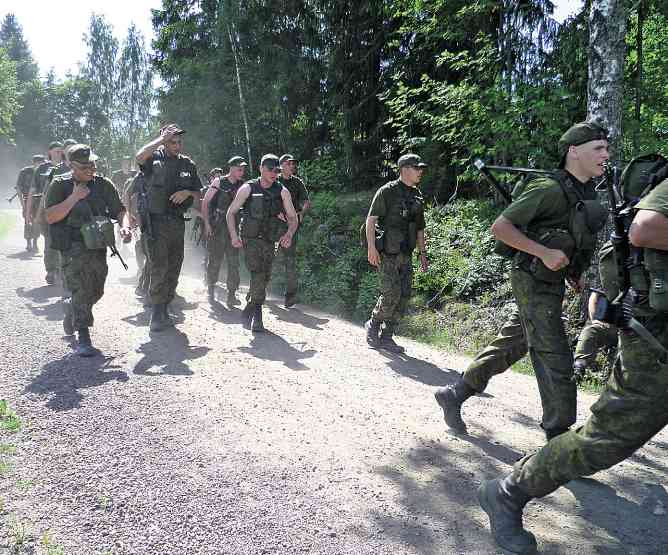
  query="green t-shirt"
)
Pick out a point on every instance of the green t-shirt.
point(297, 189)
point(656, 200)
point(387, 199)
point(103, 200)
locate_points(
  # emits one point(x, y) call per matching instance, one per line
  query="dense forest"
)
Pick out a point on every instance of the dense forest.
point(346, 87)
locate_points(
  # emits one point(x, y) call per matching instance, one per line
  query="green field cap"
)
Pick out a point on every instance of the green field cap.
point(411, 160)
point(81, 154)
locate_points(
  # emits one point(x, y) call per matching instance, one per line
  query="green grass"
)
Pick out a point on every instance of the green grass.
point(6, 449)
point(9, 421)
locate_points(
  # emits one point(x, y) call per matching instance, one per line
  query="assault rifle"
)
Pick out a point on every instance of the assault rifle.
point(145, 221)
point(619, 311)
point(10, 199)
point(114, 252)
point(486, 172)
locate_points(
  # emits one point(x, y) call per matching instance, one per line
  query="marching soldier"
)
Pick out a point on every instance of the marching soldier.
point(262, 199)
point(23, 183)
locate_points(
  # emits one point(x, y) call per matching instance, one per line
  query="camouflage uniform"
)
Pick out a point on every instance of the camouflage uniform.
point(23, 186)
point(536, 326)
point(260, 229)
point(594, 336)
point(85, 270)
point(396, 266)
point(165, 175)
point(299, 194)
point(143, 268)
point(219, 245)
point(628, 413)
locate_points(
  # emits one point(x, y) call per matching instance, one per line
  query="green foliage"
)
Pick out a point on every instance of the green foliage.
point(322, 174)
point(8, 96)
point(9, 421)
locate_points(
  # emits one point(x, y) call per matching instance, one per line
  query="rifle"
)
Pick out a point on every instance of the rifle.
point(619, 311)
point(486, 172)
point(16, 194)
point(145, 221)
point(114, 252)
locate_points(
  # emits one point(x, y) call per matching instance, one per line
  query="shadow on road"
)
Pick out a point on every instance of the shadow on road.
point(269, 346)
point(419, 370)
point(296, 316)
point(168, 351)
point(63, 379)
point(40, 294)
point(23, 255)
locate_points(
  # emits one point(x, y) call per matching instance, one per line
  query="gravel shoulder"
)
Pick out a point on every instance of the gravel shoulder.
point(207, 439)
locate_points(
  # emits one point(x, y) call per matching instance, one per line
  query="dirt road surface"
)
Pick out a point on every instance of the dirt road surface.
point(208, 439)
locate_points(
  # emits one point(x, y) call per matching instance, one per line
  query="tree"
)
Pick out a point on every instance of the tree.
point(8, 97)
point(16, 47)
point(607, 50)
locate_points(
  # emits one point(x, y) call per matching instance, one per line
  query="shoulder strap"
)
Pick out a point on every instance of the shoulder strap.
point(573, 196)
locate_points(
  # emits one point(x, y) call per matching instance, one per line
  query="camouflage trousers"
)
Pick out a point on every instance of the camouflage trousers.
point(288, 257)
point(143, 265)
point(629, 412)
point(219, 248)
point(593, 337)
point(396, 278)
point(165, 257)
point(85, 272)
point(259, 256)
point(535, 327)
point(52, 262)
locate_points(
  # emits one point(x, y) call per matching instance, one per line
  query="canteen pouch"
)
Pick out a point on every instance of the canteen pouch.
point(393, 239)
point(656, 264)
point(553, 239)
point(587, 218)
point(98, 233)
point(504, 250)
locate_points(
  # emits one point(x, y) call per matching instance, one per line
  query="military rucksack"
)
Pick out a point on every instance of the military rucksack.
point(640, 176)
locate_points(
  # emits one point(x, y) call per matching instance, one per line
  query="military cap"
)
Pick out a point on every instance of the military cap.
point(69, 142)
point(287, 158)
point(215, 170)
point(55, 144)
point(237, 161)
point(38, 158)
point(81, 154)
point(582, 133)
point(411, 160)
point(270, 161)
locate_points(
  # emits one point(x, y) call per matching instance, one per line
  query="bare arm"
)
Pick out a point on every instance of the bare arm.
point(59, 212)
point(422, 246)
point(230, 217)
point(371, 251)
point(204, 211)
point(504, 230)
point(649, 229)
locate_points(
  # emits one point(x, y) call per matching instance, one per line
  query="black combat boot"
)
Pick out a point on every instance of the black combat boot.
point(450, 399)
point(28, 245)
point(84, 345)
point(257, 325)
point(247, 315)
point(232, 299)
point(158, 317)
point(68, 324)
point(372, 330)
point(386, 342)
point(169, 321)
point(211, 293)
point(503, 501)
point(290, 300)
point(50, 278)
point(34, 246)
point(551, 433)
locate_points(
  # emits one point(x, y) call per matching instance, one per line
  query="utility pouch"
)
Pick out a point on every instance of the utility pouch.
point(158, 195)
point(504, 250)
point(553, 239)
point(379, 233)
point(656, 263)
point(256, 207)
point(249, 228)
point(276, 229)
point(587, 218)
point(98, 233)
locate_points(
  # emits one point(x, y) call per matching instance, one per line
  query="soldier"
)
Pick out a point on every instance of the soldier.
point(262, 199)
point(397, 209)
point(172, 185)
point(23, 183)
point(550, 248)
point(35, 199)
point(73, 201)
point(121, 177)
point(130, 200)
point(629, 412)
point(301, 203)
point(593, 337)
point(216, 201)
point(43, 178)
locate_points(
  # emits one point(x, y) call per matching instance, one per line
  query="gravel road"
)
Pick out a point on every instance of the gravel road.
point(207, 439)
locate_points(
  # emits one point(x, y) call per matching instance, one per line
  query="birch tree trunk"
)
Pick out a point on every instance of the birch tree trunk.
point(242, 101)
point(607, 51)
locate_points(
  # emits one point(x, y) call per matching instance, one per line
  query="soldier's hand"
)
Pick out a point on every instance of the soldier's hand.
point(126, 234)
point(180, 196)
point(373, 256)
point(555, 259)
point(80, 191)
point(281, 217)
point(169, 132)
point(208, 231)
point(236, 243)
point(285, 241)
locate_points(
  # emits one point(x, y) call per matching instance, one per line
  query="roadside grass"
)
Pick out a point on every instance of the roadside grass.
point(19, 534)
point(6, 223)
point(9, 421)
point(48, 546)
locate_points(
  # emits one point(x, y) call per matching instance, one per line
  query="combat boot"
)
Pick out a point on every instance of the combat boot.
point(551, 433)
point(372, 328)
point(158, 317)
point(232, 299)
point(503, 501)
point(35, 249)
point(386, 342)
point(68, 324)
point(257, 325)
point(450, 399)
point(28, 245)
point(290, 300)
point(211, 293)
point(247, 315)
point(50, 278)
point(84, 345)
point(169, 321)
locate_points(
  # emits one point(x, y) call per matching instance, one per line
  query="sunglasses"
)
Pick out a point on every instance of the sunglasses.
point(273, 169)
point(84, 167)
